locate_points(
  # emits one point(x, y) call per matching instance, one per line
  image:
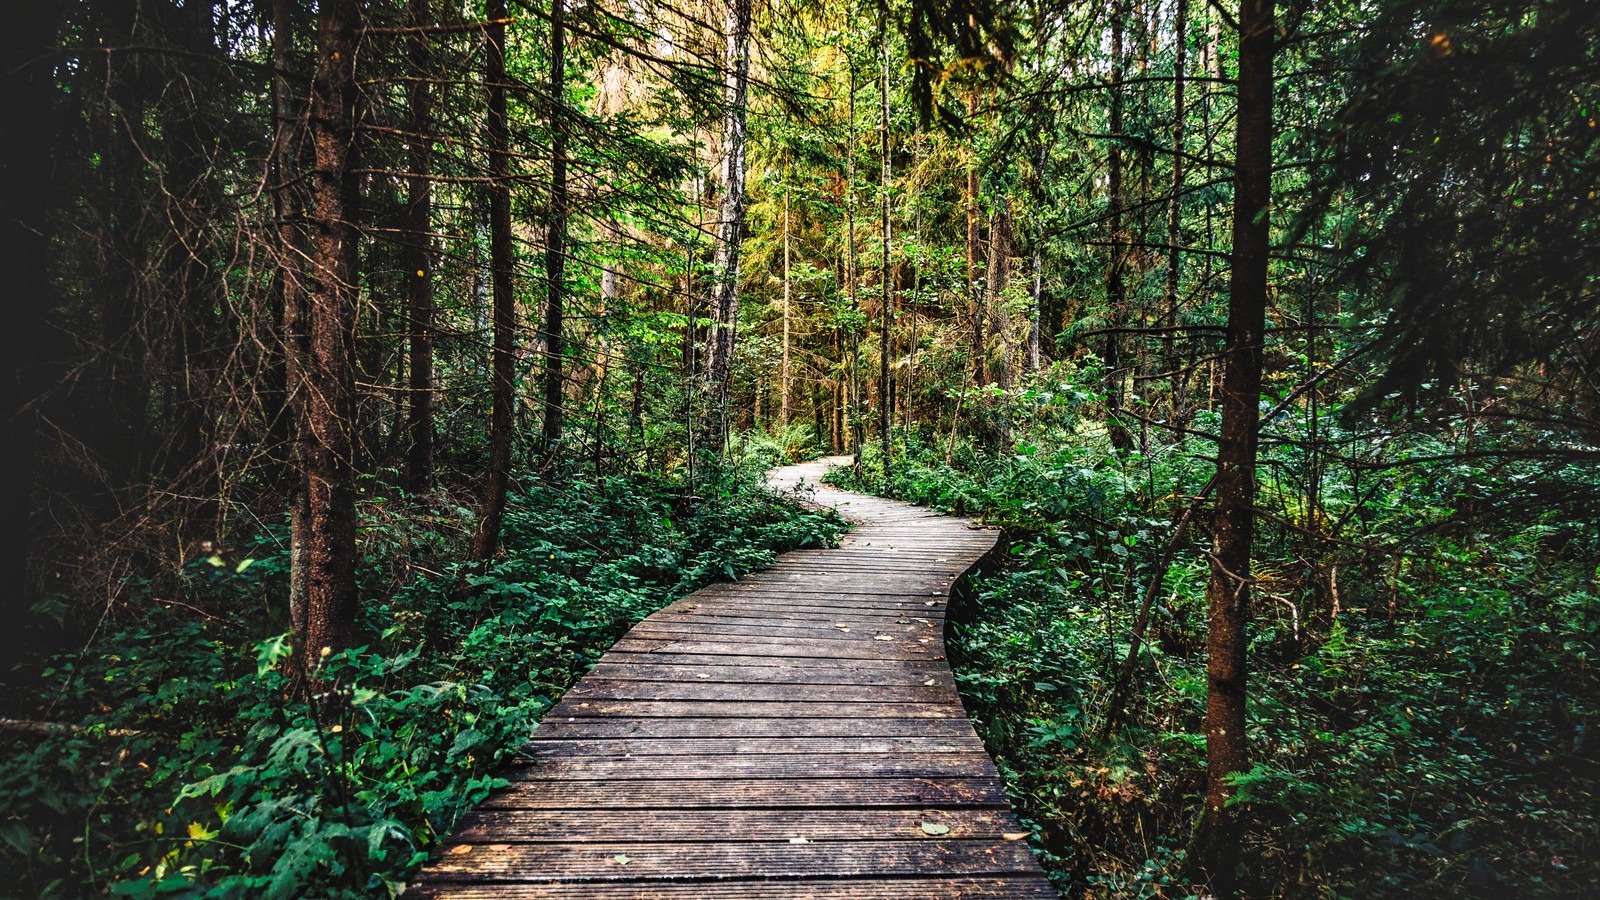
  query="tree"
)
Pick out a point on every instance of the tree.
point(327, 621)
point(555, 254)
point(730, 220)
point(1228, 592)
point(502, 269)
point(419, 244)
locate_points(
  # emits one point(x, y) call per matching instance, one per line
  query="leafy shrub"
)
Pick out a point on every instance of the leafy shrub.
point(182, 767)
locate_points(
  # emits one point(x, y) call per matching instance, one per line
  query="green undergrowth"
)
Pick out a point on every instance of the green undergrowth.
point(1431, 735)
point(172, 762)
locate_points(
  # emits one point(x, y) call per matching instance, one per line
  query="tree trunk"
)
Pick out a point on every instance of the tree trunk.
point(1174, 209)
point(328, 619)
point(1035, 338)
point(294, 349)
point(1116, 293)
point(999, 277)
point(502, 273)
point(193, 281)
point(1233, 523)
point(123, 428)
point(419, 240)
point(886, 312)
point(788, 299)
point(730, 222)
point(974, 282)
point(555, 254)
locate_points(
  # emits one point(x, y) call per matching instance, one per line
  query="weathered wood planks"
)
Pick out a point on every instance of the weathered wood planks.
point(794, 734)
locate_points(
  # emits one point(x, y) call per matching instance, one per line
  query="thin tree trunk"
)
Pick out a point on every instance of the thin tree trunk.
point(328, 388)
point(295, 349)
point(124, 427)
point(1116, 293)
point(916, 291)
point(974, 283)
point(730, 221)
point(999, 277)
point(555, 254)
point(886, 312)
point(193, 280)
point(1035, 338)
point(853, 272)
point(1233, 524)
point(419, 259)
point(501, 263)
point(1174, 210)
point(788, 298)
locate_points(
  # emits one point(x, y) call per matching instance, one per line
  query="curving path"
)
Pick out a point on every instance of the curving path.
point(793, 734)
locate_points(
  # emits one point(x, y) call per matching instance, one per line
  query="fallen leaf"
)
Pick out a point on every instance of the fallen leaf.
point(903, 622)
point(930, 682)
point(701, 675)
point(461, 850)
point(622, 859)
point(1016, 835)
point(883, 637)
point(799, 841)
point(935, 829)
point(923, 640)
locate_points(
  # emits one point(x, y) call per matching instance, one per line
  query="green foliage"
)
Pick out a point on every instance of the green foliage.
point(186, 770)
point(1428, 738)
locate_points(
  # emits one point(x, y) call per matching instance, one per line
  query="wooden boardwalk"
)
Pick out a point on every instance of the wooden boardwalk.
point(793, 734)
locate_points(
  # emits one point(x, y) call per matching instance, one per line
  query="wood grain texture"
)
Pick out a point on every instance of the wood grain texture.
point(793, 734)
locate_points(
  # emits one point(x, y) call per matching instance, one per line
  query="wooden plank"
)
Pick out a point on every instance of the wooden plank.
point(587, 747)
point(686, 727)
point(713, 826)
point(669, 657)
point(837, 631)
point(795, 648)
point(591, 689)
point(605, 861)
point(768, 674)
point(958, 887)
point(773, 765)
point(749, 793)
point(650, 709)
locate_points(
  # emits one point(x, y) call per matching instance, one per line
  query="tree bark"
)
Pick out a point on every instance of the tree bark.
point(1233, 522)
point(419, 241)
point(974, 282)
point(730, 221)
point(886, 312)
point(1116, 293)
point(502, 272)
point(294, 349)
point(555, 254)
point(328, 388)
point(999, 278)
point(1174, 211)
point(788, 298)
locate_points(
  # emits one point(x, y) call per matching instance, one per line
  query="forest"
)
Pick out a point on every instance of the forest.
point(374, 365)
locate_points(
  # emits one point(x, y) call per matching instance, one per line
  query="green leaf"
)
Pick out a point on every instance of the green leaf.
point(934, 829)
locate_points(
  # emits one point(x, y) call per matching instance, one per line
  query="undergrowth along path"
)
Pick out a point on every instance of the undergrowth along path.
point(796, 733)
